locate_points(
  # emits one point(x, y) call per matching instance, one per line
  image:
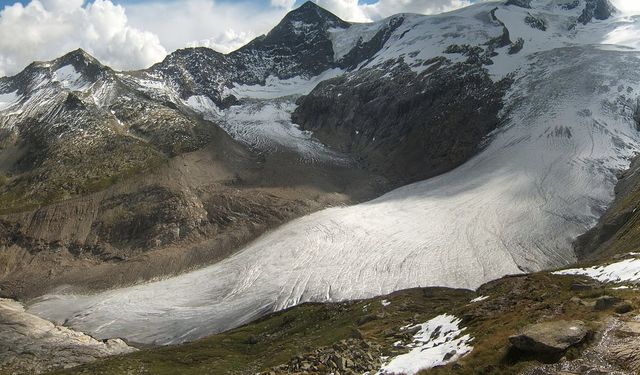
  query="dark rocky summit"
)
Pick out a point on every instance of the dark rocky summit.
point(404, 125)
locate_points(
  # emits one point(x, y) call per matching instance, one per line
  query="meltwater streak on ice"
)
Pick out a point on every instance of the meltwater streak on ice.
point(516, 206)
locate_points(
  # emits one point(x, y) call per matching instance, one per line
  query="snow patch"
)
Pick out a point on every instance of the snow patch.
point(385, 303)
point(439, 341)
point(203, 104)
point(479, 299)
point(627, 270)
point(344, 40)
point(277, 88)
point(70, 79)
point(8, 100)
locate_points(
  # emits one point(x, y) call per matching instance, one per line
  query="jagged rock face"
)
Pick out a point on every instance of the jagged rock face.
point(29, 344)
point(195, 71)
point(404, 125)
point(298, 46)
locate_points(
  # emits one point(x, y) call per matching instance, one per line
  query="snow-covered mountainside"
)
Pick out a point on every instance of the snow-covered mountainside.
point(565, 129)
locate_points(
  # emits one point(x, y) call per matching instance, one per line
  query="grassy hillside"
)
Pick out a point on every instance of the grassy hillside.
point(279, 341)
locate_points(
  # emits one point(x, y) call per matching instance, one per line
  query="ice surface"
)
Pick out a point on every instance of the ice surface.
point(627, 270)
point(439, 341)
point(265, 124)
point(545, 178)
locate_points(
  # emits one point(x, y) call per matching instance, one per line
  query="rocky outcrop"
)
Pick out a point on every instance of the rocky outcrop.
point(403, 125)
point(31, 345)
point(549, 337)
point(596, 9)
point(535, 22)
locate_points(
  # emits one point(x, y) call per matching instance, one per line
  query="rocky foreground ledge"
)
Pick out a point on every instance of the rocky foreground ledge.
point(31, 345)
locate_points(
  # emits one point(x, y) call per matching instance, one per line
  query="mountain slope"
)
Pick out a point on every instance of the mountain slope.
point(544, 177)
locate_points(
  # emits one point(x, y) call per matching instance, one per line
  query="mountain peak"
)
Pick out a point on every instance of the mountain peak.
point(311, 13)
point(76, 56)
point(82, 62)
point(309, 4)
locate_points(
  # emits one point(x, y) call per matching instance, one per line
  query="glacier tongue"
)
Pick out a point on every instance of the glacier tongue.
point(544, 179)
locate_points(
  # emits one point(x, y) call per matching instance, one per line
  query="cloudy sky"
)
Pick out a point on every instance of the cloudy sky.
point(132, 34)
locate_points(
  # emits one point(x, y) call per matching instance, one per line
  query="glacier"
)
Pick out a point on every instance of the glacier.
point(544, 178)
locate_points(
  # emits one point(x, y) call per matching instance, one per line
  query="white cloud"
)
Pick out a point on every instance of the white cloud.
point(627, 6)
point(352, 11)
point(141, 34)
point(221, 25)
point(348, 10)
point(228, 41)
point(287, 4)
point(46, 29)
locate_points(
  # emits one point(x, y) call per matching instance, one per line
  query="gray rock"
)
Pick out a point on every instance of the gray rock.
point(598, 9)
point(550, 337)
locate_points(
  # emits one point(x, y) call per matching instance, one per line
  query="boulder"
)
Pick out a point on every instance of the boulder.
point(550, 337)
point(624, 307)
point(605, 303)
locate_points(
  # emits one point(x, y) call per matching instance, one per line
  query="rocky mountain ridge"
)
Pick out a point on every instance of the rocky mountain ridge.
point(74, 129)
